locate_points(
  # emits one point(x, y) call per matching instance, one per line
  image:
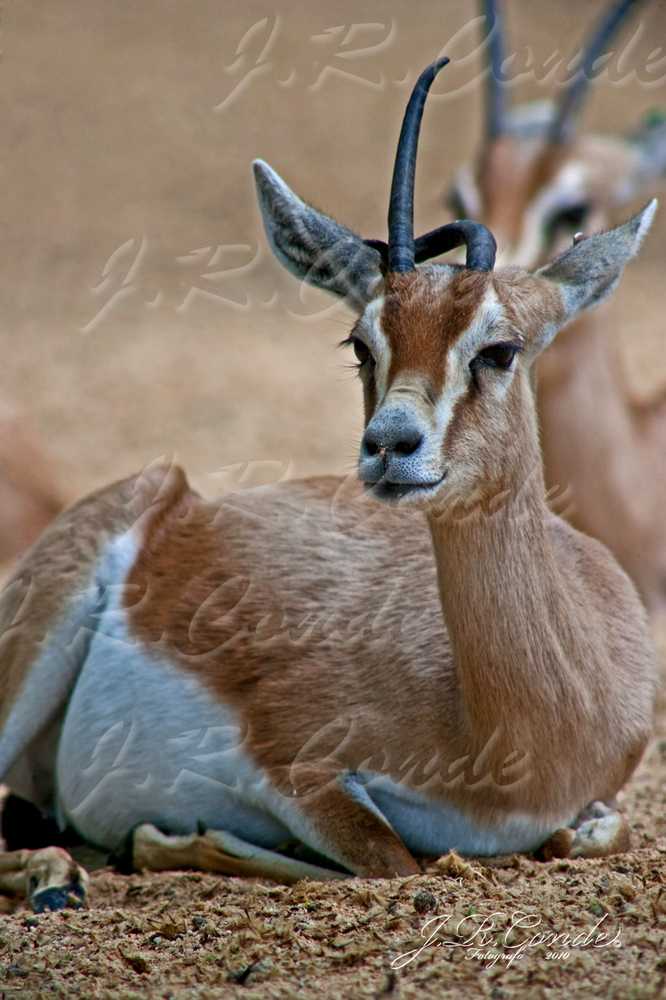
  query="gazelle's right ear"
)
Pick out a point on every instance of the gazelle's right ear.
point(591, 269)
point(649, 144)
point(313, 247)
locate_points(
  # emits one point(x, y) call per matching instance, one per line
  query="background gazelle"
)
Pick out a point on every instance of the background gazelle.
point(451, 666)
point(536, 183)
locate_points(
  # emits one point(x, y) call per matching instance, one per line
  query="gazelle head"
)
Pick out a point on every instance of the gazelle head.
point(444, 351)
point(536, 181)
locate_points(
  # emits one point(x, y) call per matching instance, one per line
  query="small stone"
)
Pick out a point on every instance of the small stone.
point(137, 962)
point(16, 970)
point(424, 901)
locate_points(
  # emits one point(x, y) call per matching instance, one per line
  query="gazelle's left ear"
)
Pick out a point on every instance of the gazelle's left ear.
point(313, 247)
point(591, 269)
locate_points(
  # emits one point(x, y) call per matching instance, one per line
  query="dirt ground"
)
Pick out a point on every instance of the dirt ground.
point(503, 928)
point(143, 316)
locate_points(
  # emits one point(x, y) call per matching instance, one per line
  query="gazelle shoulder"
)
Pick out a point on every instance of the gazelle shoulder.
point(601, 580)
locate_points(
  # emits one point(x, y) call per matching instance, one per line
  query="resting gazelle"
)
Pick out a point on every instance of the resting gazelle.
point(444, 665)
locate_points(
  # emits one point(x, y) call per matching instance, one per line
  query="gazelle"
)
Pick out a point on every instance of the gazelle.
point(29, 496)
point(535, 184)
point(444, 665)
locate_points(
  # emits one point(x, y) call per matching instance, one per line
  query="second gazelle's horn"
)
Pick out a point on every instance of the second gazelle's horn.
point(570, 105)
point(495, 93)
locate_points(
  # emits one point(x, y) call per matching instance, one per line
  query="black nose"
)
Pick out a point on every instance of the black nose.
point(400, 442)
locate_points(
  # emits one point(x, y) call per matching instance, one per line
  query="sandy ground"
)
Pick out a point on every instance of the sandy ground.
point(143, 316)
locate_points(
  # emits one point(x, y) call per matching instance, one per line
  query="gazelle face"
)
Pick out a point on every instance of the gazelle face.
point(442, 360)
point(534, 197)
point(444, 351)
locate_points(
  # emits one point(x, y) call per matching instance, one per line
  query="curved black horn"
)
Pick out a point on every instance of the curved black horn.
point(480, 242)
point(570, 105)
point(401, 205)
point(495, 92)
point(481, 245)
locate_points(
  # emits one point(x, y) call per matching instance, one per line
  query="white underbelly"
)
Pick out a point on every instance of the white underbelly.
point(430, 826)
point(143, 742)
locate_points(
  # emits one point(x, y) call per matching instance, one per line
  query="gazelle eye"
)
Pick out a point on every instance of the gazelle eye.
point(572, 217)
point(361, 351)
point(498, 355)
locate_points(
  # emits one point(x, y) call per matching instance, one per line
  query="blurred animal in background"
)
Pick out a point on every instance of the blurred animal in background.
point(29, 495)
point(537, 183)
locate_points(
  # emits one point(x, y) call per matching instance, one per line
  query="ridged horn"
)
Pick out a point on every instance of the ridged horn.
point(401, 205)
point(480, 242)
point(571, 103)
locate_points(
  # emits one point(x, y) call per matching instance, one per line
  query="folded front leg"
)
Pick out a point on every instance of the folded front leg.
point(218, 851)
point(48, 877)
point(338, 820)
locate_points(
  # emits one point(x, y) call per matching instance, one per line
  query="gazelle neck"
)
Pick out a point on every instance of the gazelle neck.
point(505, 603)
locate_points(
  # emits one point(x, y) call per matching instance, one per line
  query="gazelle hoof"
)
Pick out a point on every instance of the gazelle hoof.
point(59, 898)
point(54, 880)
point(597, 832)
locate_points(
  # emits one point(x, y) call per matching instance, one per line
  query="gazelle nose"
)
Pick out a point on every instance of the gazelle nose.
point(398, 441)
point(398, 449)
point(399, 444)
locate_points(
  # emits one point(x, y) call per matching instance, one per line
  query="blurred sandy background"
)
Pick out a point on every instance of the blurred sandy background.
point(128, 130)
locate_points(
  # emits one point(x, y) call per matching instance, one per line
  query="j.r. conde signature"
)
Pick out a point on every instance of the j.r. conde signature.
point(499, 938)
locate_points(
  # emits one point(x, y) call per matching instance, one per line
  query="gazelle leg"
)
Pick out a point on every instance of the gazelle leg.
point(596, 832)
point(343, 823)
point(48, 877)
point(349, 828)
point(219, 851)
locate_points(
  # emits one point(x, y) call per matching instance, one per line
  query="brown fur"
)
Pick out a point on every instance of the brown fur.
point(421, 325)
point(60, 567)
point(507, 723)
point(208, 595)
point(479, 652)
point(511, 174)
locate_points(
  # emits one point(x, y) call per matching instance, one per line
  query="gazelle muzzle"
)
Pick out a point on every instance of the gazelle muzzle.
point(398, 453)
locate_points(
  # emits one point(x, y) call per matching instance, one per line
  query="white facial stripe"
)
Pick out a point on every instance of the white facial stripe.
point(467, 191)
point(405, 410)
point(377, 341)
point(488, 326)
point(568, 188)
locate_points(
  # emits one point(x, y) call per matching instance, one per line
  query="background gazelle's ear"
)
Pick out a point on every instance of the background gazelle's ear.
point(312, 246)
point(649, 146)
point(591, 269)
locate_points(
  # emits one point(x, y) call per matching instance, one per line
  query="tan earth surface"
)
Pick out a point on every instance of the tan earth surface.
point(142, 316)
